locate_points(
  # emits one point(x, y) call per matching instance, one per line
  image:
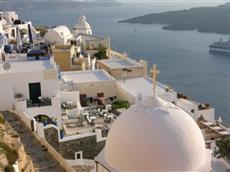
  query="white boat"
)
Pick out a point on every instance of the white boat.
point(220, 46)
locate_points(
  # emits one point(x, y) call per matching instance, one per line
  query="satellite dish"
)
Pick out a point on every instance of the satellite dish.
point(6, 66)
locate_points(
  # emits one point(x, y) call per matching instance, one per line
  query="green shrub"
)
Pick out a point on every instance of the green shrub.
point(2, 120)
point(9, 168)
point(101, 54)
point(42, 29)
point(120, 104)
point(44, 118)
point(223, 150)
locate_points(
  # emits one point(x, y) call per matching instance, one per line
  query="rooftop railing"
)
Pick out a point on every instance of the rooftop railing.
point(43, 101)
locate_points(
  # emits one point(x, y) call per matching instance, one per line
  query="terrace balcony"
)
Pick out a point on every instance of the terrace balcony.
point(47, 106)
point(50, 106)
point(43, 101)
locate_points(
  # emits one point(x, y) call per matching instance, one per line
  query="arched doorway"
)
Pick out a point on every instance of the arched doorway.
point(45, 119)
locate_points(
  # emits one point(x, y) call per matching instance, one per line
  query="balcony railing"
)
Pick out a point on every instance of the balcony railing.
point(43, 101)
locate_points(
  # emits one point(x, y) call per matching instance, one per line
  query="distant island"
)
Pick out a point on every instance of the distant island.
point(203, 19)
point(42, 5)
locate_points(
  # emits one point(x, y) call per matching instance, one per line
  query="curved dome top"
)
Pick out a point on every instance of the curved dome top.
point(154, 135)
point(62, 30)
point(82, 23)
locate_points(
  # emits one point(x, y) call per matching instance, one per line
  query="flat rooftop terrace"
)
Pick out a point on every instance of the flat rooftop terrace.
point(144, 86)
point(20, 66)
point(87, 76)
point(15, 57)
point(120, 63)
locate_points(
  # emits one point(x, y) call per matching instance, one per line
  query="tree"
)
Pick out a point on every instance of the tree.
point(42, 29)
point(223, 150)
point(101, 54)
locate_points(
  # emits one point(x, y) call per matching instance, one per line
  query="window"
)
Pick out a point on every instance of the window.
point(13, 33)
point(35, 91)
point(100, 94)
point(192, 111)
point(78, 155)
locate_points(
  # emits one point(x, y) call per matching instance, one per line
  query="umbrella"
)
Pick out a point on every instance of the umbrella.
point(19, 39)
point(93, 62)
point(89, 61)
point(30, 34)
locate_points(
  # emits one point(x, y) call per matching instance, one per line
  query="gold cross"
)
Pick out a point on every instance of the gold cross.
point(155, 72)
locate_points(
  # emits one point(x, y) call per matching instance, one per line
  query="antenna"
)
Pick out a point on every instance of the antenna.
point(155, 72)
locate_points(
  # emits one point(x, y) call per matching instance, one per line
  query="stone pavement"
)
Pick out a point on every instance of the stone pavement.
point(42, 160)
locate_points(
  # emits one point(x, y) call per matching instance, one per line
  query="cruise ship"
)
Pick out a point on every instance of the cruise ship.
point(220, 46)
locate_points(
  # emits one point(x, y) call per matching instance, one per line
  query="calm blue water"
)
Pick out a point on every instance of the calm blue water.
point(182, 56)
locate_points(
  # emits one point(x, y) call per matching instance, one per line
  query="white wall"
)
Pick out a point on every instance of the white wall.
point(13, 83)
point(69, 96)
point(84, 31)
point(6, 94)
point(53, 111)
point(49, 87)
point(92, 88)
point(124, 95)
point(88, 162)
point(186, 105)
point(1, 27)
point(208, 114)
point(54, 37)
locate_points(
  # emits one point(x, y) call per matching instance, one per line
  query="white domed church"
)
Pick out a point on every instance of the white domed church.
point(83, 26)
point(154, 135)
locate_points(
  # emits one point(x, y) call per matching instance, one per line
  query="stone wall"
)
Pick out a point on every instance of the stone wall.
point(88, 145)
point(55, 155)
point(51, 136)
point(25, 162)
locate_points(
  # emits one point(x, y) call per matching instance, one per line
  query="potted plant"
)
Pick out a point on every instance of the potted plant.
point(44, 120)
point(120, 104)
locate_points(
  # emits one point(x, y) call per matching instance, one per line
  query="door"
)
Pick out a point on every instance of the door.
point(83, 99)
point(35, 92)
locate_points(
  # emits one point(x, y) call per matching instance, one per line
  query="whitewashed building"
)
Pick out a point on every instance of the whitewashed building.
point(132, 89)
point(196, 110)
point(91, 44)
point(156, 136)
point(10, 16)
point(60, 35)
point(9, 28)
point(30, 87)
point(83, 26)
point(123, 68)
point(90, 83)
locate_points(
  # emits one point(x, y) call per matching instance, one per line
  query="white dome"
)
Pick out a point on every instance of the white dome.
point(154, 135)
point(63, 31)
point(82, 23)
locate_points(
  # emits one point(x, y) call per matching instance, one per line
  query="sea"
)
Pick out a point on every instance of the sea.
point(182, 56)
